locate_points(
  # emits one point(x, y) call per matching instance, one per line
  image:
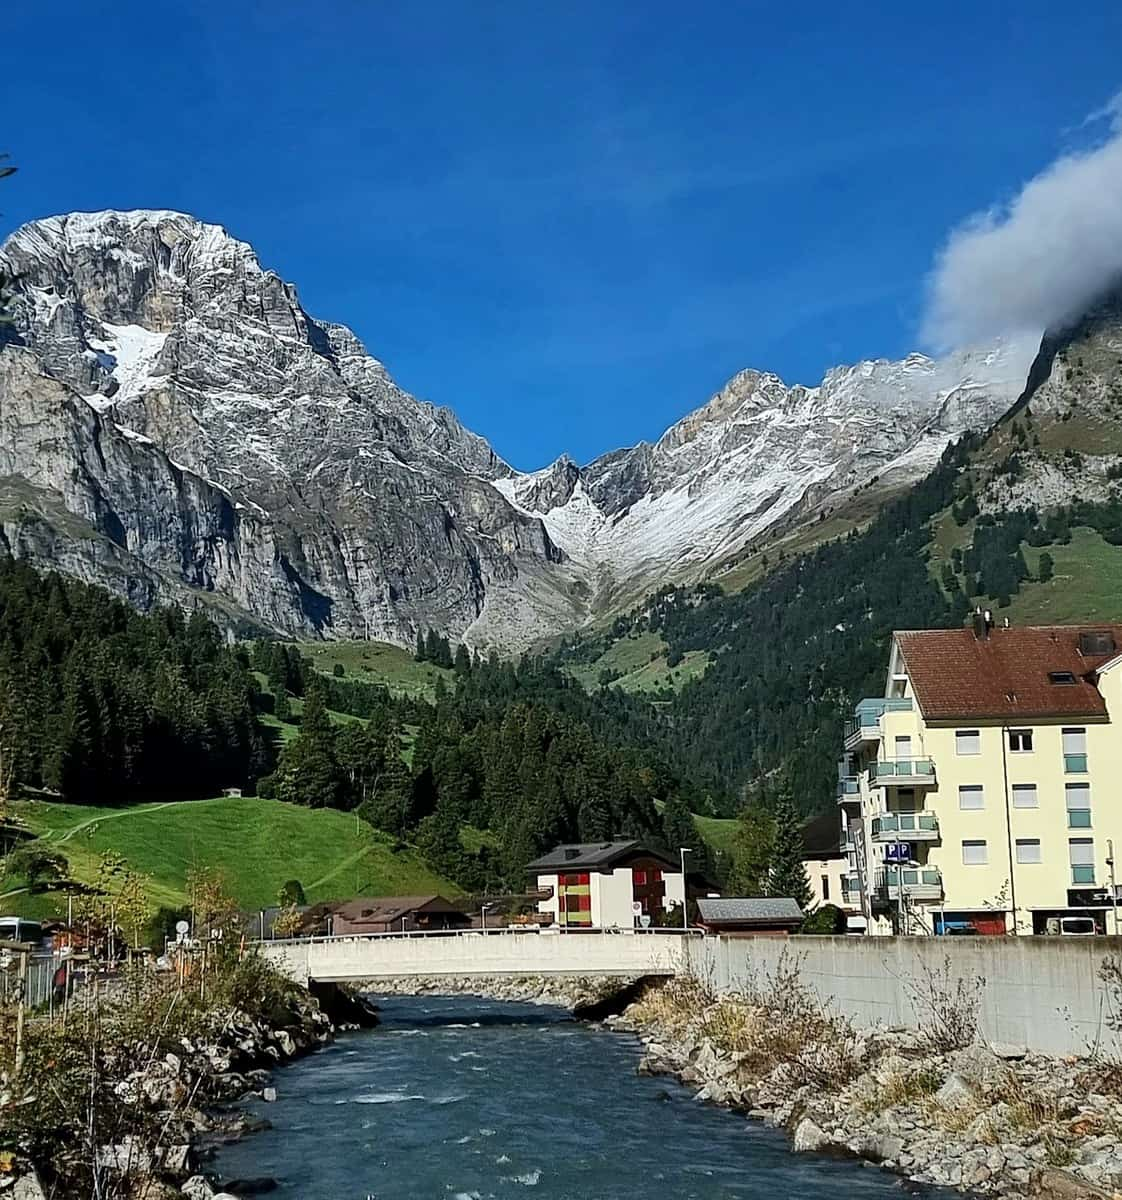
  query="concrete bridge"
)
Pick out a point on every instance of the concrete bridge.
point(371, 957)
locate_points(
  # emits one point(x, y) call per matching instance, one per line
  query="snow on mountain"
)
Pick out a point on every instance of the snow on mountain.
point(760, 452)
point(187, 431)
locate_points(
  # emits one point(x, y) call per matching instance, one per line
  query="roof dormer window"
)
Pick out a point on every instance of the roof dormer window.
point(1064, 677)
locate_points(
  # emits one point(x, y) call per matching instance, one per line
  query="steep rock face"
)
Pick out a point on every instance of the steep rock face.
point(346, 505)
point(759, 452)
point(1065, 431)
point(175, 425)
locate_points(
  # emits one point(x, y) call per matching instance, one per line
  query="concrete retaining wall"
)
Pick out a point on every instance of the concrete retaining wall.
point(1044, 993)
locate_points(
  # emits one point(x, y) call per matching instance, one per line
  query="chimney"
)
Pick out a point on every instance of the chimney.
point(981, 625)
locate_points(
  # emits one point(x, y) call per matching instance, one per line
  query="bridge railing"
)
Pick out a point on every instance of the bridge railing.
point(405, 934)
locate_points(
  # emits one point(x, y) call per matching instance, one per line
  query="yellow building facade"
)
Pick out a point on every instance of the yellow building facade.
point(977, 794)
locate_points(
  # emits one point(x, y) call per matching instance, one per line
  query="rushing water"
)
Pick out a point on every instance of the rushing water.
point(454, 1098)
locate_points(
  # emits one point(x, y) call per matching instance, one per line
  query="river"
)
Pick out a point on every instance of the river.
point(459, 1099)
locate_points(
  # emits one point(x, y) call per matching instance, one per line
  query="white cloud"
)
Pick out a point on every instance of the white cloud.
point(1041, 259)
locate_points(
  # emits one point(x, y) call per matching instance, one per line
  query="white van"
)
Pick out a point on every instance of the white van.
point(1072, 926)
point(16, 929)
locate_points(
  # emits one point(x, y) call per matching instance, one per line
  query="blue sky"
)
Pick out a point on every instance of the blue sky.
point(569, 222)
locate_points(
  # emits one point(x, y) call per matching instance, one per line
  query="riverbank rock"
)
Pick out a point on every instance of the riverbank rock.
point(28, 1187)
point(984, 1120)
point(577, 994)
point(808, 1137)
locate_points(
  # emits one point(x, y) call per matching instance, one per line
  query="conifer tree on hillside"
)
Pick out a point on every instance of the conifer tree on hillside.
point(432, 646)
point(421, 653)
point(788, 872)
point(462, 660)
point(752, 856)
point(309, 771)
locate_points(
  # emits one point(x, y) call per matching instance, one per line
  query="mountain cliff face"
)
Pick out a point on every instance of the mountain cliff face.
point(1065, 432)
point(174, 425)
point(172, 397)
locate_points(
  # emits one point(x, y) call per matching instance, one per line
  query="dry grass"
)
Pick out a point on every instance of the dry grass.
point(734, 1027)
point(672, 1005)
point(903, 1087)
point(778, 1022)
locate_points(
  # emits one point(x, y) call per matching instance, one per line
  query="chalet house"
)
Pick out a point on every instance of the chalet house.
point(607, 885)
point(397, 914)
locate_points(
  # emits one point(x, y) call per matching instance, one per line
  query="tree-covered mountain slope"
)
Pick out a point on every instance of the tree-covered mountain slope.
point(1026, 519)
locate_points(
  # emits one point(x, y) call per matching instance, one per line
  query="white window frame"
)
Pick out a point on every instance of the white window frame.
point(1029, 844)
point(975, 844)
point(971, 789)
point(1086, 852)
point(960, 735)
point(1025, 789)
point(1021, 735)
point(1078, 744)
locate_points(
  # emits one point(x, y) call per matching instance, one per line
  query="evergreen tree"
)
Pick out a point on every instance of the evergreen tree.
point(432, 646)
point(1046, 567)
point(753, 852)
point(788, 871)
point(462, 661)
point(309, 771)
point(421, 653)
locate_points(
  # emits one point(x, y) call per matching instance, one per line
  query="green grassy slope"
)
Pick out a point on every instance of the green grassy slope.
point(718, 832)
point(257, 844)
point(638, 662)
point(377, 662)
point(1086, 586)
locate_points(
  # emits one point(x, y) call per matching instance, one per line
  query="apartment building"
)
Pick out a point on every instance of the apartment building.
point(977, 795)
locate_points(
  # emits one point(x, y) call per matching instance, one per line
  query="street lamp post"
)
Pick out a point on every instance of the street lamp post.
point(682, 852)
point(483, 915)
point(1113, 885)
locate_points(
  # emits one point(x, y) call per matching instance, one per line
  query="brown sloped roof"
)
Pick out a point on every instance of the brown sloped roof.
point(391, 908)
point(956, 675)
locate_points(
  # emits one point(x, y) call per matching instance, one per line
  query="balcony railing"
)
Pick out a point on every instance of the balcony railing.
point(919, 883)
point(849, 788)
point(851, 886)
point(1075, 764)
point(905, 827)
point(864, 725)
point(891, 772)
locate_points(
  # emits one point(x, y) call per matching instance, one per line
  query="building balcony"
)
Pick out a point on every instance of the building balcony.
point(905, 827)
point(902, 772)
point(849, 790)
point(851, 888)
point(863, 728)
point(919, 883)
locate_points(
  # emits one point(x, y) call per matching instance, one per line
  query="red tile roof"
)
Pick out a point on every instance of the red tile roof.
point(955, 675)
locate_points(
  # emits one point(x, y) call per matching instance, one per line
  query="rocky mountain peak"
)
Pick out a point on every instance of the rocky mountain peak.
point(170, 414)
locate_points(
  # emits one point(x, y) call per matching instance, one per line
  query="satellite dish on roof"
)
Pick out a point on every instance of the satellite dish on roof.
point(182, 927)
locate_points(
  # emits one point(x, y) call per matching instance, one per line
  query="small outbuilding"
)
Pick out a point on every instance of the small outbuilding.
point(775, 916)
point(397, 914)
